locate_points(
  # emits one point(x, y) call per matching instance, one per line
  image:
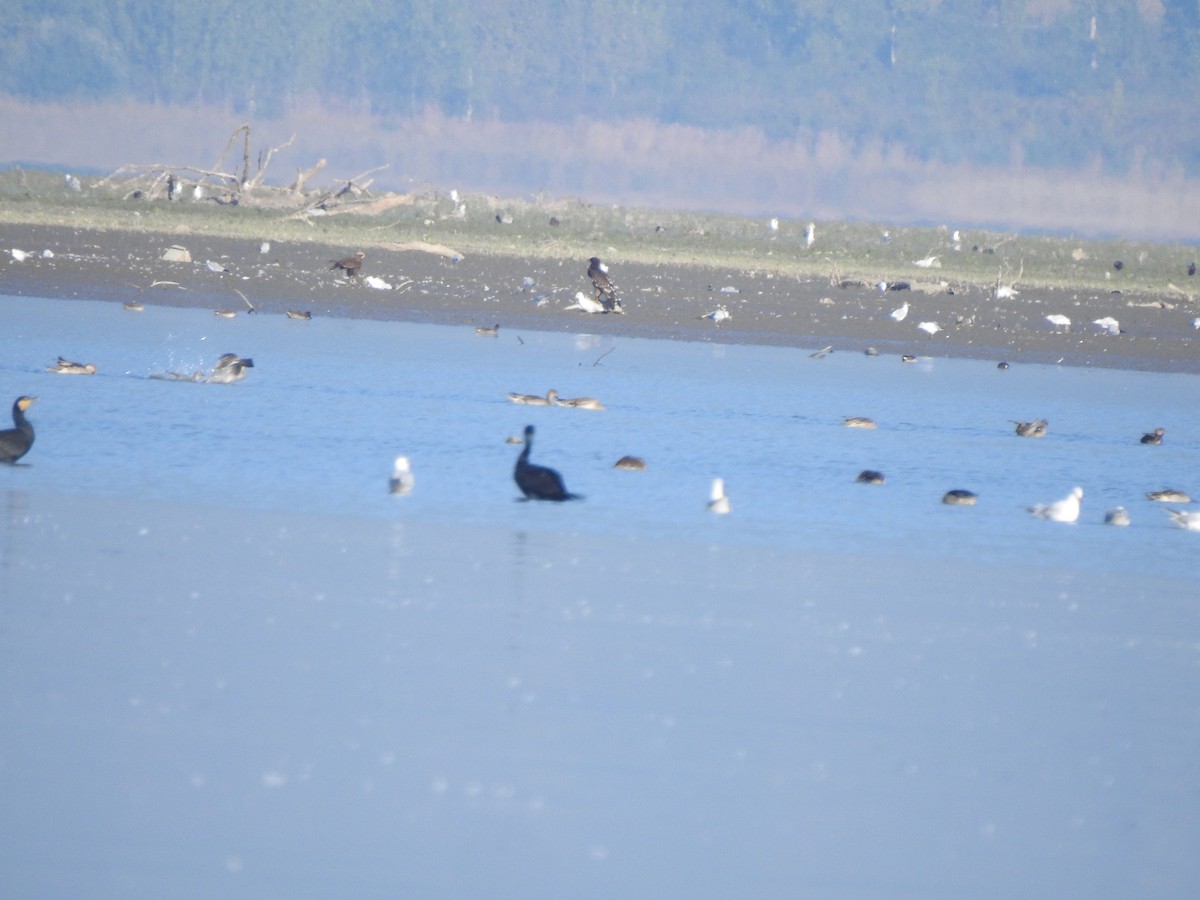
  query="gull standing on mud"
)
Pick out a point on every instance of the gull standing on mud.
point(586, 303)
point(930, 328)
point(1064, 510)
point(718, 315)
point(900, 312)
point(1058, 320)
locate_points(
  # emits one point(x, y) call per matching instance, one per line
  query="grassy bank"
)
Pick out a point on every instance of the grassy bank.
point(483, 225)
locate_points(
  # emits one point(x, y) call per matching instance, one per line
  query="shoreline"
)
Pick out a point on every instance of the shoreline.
point(661, 300)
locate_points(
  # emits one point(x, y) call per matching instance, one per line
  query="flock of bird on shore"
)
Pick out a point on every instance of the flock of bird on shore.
point(538, 482)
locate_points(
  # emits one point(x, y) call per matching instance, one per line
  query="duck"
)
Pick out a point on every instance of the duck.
point(1169, 495)
point(631, 464)
point(492, 330)
point(299, 314)
point(1154, 437)
point(225, 313)
point(959, 497)
point(1064, 510)
point(539, 482)
point(15, 442)
point(1034, 429)
point(1187, 520)
point(401, 481)
point(1118, 516)
point(66, 367)
point(870, 476)
point(350, 264)
point(718, 503)
point(229, 368)
point(133, 306)
point(551, 399)
point(580, 403)
point(858, 422)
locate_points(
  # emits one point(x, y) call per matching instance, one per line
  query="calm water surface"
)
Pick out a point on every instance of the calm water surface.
point(232, 665)
point(316, 424)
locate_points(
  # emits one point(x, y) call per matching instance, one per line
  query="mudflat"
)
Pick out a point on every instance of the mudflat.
point(530, 281)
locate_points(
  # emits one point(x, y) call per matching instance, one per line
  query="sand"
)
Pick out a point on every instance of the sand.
point(660, 301)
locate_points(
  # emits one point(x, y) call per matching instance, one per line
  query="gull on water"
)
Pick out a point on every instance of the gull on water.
point(718, 503)
point(1188, 520)
point(1118, 516)
point(401, 481)
point(1064, 510)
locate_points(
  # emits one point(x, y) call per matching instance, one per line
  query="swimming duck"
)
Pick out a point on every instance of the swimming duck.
point(299, 314)
point(493, 330)
point(229, 368)
point(538, 482)
point(1034, 429)
point(1188, 520)
point(133, 306)
point(551, 399)
point(15, 442)
point(1118, 517)
point(66, 367)
point(858, 422)
point(1064, 510)
point(959, 497)
point(870, 476)
point(225, 313)
point(1169, 495)
point(718, 503)
point(631, 463)
point(350, 265)
point(580, 403)
point(401, 481)
point(1154, 437)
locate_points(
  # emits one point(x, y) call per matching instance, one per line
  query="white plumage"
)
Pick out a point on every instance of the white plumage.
point(1064, 510)
point(718, 503)
point(900, 312)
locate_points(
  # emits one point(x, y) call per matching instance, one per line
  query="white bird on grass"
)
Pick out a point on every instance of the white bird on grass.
point(810, 234)
point(586, 303)
point(1109, 325)
point(930, 328)
point(718, 503)
point(1058, 320)
point(402, 480)
point(929, 262)
point(1185, 519)
point(900, 312)
point(1064, 510)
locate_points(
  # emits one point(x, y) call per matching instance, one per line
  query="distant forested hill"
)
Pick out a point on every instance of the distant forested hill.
point(1108, 83)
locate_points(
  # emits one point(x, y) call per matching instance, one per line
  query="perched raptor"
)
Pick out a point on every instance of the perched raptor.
point(350, 265)
point(606, 294)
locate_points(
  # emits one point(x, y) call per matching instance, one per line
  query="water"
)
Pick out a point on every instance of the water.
point(232, 665)
point(331, 402)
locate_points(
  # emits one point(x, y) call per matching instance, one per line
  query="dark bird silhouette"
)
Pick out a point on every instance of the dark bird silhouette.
point(1118, 265)
point(870, 476)
point(350, 265)
point(606, 294)
point(1154, 437)
point(1192, 269)
point(15, 442)
point(538, 482)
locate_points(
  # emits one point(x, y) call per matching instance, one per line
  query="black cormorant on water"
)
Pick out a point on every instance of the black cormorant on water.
point(15, 442)
point(538, 482)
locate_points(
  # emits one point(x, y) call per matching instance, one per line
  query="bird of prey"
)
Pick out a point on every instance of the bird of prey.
point(605, 292)
point(350, 265)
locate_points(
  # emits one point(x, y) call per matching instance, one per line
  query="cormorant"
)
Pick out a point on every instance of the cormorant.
point(538, 482)
point(15, 442)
